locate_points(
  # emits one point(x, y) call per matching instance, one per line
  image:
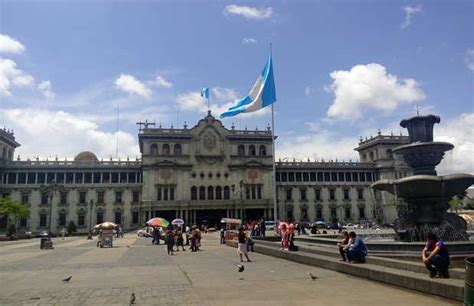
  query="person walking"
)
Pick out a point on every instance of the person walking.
point(63, 233)
point(262, 227)
point(169, 239)
point(179, 240)
point(242, 245)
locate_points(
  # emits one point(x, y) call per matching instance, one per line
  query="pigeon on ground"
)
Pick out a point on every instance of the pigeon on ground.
point(241, 268)
point(132, 298)
point(67, 279)
point(312, 276)
point(128, 246)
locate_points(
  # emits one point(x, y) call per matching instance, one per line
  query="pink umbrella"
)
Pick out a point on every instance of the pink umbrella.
point(280, 225)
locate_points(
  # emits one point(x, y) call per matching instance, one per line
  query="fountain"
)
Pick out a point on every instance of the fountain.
point(425, 193)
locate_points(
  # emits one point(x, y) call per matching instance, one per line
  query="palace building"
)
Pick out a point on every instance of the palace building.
point(199, 174)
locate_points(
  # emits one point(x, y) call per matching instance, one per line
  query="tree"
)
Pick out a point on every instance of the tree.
point(456, 203)
point(14, 211)
point(71, 227)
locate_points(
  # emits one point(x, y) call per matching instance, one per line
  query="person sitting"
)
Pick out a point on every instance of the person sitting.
point(356, 251)
point(343, 244)
point(435, 256)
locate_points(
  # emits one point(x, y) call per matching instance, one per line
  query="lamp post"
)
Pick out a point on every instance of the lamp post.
point(89, 236)
point(50, 189)
point(241, 185)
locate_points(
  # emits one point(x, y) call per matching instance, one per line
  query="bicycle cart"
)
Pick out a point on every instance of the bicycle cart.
point(106, 238)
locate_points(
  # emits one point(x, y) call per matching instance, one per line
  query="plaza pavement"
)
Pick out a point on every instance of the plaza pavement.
point(30, 276)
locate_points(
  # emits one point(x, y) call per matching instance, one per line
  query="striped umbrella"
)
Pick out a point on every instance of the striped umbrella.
point(177, 222)
point(158, 222)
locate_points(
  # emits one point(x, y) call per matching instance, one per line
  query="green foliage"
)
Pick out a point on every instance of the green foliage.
point(13, 209)
point(455, 203)
point(333, 218)
point(71, 227)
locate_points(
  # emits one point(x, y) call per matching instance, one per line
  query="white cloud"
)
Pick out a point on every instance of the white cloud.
point(249, 41)
point(10, 76)
point(460, 132)
point(51, 133)
point(45, 88)
point(469, 59)
point(409, 12)
point(10, 45)
point(249, 12)
point(367, 87)
point(130, 84)
point(161, 82)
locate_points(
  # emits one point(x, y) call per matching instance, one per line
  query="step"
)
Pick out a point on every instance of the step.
point(448, 288)
point(332, 251)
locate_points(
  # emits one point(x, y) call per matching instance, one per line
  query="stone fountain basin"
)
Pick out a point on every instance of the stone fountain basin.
point(426, 186)
point(423, 148)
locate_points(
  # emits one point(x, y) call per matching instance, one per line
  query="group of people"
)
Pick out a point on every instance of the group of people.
point(352, 247)
point(258, 228)
point(288, 237)
point(176, 237)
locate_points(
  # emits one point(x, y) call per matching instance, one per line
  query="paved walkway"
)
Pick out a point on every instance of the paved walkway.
point(30, 276)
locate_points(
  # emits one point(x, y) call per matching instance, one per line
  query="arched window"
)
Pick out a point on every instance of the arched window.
point(154, 149)
point(4, 152)
point(262, 151)
point(166, 149)
point(210, 193)
point(252, 151)
point(389, 154)
point(218, 193)
point(194, 193)
point(241, 150)
point(177, 149)
point(226, 193)
point(202, 193)
point(371, 156)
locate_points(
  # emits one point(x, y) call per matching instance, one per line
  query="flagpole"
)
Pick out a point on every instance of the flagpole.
point(274, 189)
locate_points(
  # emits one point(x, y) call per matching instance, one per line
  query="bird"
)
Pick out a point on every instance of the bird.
point(241, 268)
point(132, 298)
point(312, 276)
point(67, 279)
point(128, 246)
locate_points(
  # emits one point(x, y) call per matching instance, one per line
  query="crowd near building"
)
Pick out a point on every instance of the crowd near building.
point(199, 174)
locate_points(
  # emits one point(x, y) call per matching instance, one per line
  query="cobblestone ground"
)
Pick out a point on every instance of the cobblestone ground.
point(30, 276)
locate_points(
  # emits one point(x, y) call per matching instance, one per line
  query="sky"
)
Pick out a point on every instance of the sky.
point(73, 73)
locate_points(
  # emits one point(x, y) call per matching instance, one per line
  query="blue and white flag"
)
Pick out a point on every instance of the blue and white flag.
point(261, 95)
point(205, 92)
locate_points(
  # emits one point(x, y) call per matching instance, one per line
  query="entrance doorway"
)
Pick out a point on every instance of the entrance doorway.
point(169, 215)
point(253, 214)
point(210, 217)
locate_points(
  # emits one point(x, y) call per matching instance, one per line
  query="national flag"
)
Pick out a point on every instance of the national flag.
point(261, 95)
point(205, 92)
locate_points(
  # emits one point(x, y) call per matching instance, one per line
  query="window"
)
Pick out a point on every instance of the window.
point(247, 193)
point(340, 176)
point(332, 194)
point(320, 177)
point(312, 177)
point(44, 198)
point(288, 194)
point(165, 194)
point(333, 212)
point(21, 178)
point(81, 220)
point(262, 151)
point(361, 212)
point(23, 222)
point(210, 193)
point(88, 178)
point(348, 177)
point(347, 211)
point(96, 177)
point(123, 177)
point(333, 176)
point(254, 194)
point(100, 197)
point(100, 217)
point(284, 177)
point(41, 178)
point(62, 219)
point(135, 196)
point(82, 197)
point(304, 213)
point(177, 149)
point(317, 194)
point(202, 193)
point(25, 198)
point(362, 176)
point(259, 193)
point(226, 193)
point(291, 177)
point(118, 217)
point(12, 178)
point(118, 197)
point(289, 213)
point(303, 194)
point(43, 218)
point(319, 213)
point(78, 178)
point(278, 177)
point(63, 197)
point(218, 193)
point(158, 195)
point(132, 177)
point(305, 177)
point(105, 177)
point(327, 176)
point(69, 178)
point(31, 178)
point(171, 193)
point(355, 176)
point(154, 149)
point(194, 193)
point(346, 194)
point(134, 217)
point(166, 149)
point(298, 176)
point(360, 194)
point(252, 151)
point(241, 150)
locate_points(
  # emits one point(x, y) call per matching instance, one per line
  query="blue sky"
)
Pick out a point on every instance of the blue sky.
point(343, 69)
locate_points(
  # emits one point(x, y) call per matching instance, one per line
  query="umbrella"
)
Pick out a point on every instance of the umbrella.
point(105, 225)
point(177, 222)
point(280, 225)
point(158, 222)
point(320, 223)
point(466, 217)
point(231, 221)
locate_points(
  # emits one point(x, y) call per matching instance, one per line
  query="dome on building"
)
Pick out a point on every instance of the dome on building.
point(87, 157)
